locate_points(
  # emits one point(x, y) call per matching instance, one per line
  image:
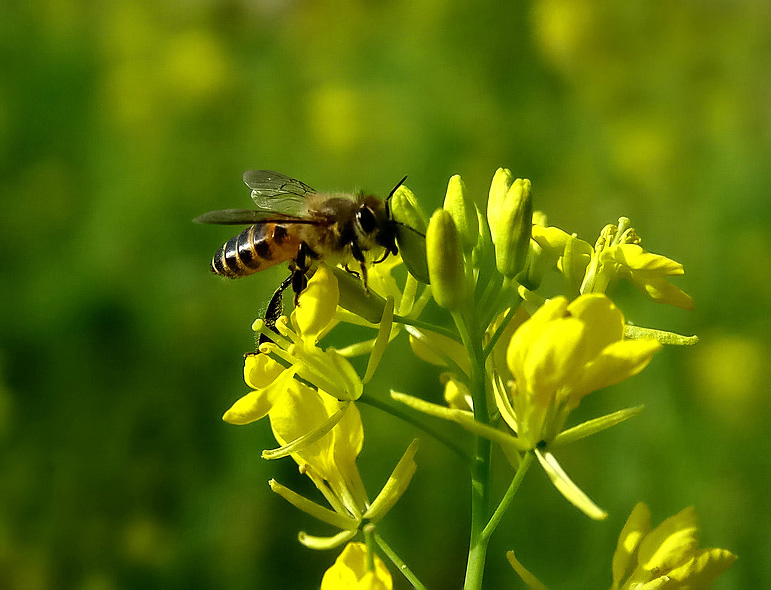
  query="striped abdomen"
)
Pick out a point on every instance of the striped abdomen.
point(256, 248)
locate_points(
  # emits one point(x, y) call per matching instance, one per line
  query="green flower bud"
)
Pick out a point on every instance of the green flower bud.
point(445, 261)
point(463, 212)
point(410, 231)
point(354, 299)
point(498, 189)
point(536, 266)
point(513, 229)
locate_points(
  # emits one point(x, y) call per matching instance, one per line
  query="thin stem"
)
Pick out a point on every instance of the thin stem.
point(397, 561)
point(369, 541)
point(406, 417)
point(480, 467)
point(400, 319)
point(499, 330)
point(495, 519)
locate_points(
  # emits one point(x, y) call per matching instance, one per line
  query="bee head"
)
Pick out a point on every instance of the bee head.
point(374, 225)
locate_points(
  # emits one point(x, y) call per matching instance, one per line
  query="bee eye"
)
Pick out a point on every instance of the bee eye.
point(366, 219)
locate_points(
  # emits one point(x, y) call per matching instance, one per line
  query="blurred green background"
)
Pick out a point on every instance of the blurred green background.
point(119, 352)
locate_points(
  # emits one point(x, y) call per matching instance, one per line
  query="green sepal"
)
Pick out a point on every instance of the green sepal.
point(395, 486)
point(568, 488)
point(325, 543)
point(593, 426)
point(317, 511)
point(383, 336)
point(462, 417)
point(664, 337)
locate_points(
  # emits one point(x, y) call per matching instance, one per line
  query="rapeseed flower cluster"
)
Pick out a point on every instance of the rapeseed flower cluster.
point(516, 362)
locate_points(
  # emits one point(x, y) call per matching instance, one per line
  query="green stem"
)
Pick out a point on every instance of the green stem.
point(400, 319)
point(524, 465)
point(397, 561)
point(480, 466)
point(409, 419)
point(369, 541)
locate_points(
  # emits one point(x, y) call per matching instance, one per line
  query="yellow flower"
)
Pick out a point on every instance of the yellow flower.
point(617, 254)
point(563, 352)
point(350, 572)
point(667, 556)
point(559, 355)
point(333, 456)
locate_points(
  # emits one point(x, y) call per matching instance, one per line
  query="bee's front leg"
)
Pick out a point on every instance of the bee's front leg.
point(358, 256)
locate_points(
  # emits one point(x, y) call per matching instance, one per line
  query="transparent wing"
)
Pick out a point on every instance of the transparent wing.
point(273, 191)
point(250, 217)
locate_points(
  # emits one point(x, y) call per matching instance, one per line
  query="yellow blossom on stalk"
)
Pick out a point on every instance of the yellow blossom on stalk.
point(559, 355)
point(667, 556)
point(350, 571)
point(617, 254)
point(330, 463)
point(328, 436)
point(563, 352)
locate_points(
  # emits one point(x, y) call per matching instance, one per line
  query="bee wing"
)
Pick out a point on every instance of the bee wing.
point(249, 217)
point(276, 192)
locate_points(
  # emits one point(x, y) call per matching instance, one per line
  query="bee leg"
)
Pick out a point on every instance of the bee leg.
point(274, 310)
point(385, 255)
point(302, 264)
point(358, 256)
point(349, 270)
point(299, 282)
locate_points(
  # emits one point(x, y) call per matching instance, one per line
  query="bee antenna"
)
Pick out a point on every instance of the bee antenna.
point(391, 194)
point(412, 229)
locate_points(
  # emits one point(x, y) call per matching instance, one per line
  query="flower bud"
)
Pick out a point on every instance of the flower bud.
point(513, 229)
point(410, 231)
point(498, 189)
point(445, 261)
point(463, 212)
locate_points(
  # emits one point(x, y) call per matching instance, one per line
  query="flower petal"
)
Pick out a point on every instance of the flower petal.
point(707, 565)
point(624, 559)
point(670, 543)
point(350, 571)
point(604, 320)
point(260, 370)
point(618, 361)
point(256, 404)
point(317, 304)
point(553, 359)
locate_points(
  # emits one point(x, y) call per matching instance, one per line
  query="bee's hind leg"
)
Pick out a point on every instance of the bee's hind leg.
point(275, 310)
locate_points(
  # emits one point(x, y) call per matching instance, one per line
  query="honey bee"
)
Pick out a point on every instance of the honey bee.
point(293, 222)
